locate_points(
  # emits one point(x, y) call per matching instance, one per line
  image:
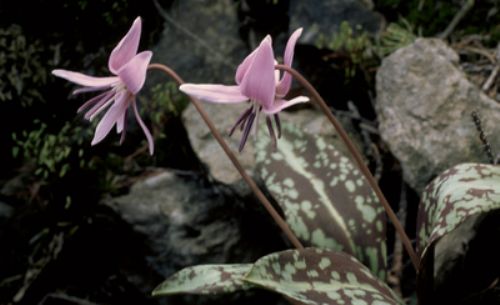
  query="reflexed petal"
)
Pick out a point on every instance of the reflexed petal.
point(144, 129)
point(258, 82)
point(114, 113)
point(281, 104)
point(133, 74)
point(214, 93)
point(124, 132)
point(85, 80)
point(126, 48)
point(243, 67)
point(290, 47)
point(284, 85)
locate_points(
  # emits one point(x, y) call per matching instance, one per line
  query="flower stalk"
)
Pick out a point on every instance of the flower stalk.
point(358, 159)
point(251, 183)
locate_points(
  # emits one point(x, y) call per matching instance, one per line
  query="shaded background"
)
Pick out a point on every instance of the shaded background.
point(60, 244)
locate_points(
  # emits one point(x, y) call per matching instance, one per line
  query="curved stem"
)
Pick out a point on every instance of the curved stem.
point(359, 160)
point(251, 183)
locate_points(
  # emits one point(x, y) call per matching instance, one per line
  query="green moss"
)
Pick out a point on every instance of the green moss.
point(395, 37)
point(431, 17)
point(353, 42)
point(21, 67)
point(51, 152)
point(166, 101)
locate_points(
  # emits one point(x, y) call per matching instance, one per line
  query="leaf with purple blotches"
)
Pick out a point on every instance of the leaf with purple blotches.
point(326, 200)
point(316, 277)
point(206, 279)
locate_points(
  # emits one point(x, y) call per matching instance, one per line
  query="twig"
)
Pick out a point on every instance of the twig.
point(458, 17)
point(495, 71)
point(251, 183)
point(482, 136)
point(66, 298)
point(358, 158)
point(491, 78)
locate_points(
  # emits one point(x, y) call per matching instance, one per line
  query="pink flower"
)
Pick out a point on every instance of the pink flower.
point(258, 83)
point(119, 91)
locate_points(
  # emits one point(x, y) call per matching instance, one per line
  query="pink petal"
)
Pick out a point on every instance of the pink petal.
point(284, 85)
point(114, 113)
point(144, 129)
point(281, 104)
point(258, 83)
point(276, 74)
point(243, 67)
point(133, 74)
point(120, 124)
point(214, 93)
point(126, 48)
point(85, 80)
point(88, 89)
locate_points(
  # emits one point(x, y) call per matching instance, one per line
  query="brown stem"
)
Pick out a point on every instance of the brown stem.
point(251, 183)
point(359, 160)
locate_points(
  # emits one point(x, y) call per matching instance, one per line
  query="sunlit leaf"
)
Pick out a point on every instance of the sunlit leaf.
point(326, 200)
point(206, 279)
point(317, 277)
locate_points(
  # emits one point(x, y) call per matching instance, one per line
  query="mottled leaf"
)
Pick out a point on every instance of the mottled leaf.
point(325, 198)
point(206, 279)
point(457, 224)
point(317, 277)
point(456, 194)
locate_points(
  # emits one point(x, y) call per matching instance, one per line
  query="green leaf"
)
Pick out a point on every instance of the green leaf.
point(457, 225)
point(325, 198)
point(316, 277)
point(206, 279)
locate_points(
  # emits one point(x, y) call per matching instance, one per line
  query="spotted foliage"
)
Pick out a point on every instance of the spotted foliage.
point(316, 276)
point(309, 276)
point(206, 279)
point(325, 198)
point(455, 195)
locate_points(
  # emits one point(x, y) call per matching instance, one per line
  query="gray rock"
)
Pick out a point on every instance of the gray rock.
point(325, 16)
point(224, 116)
point(200, 40)
point(424, 103)
point(188, 221)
